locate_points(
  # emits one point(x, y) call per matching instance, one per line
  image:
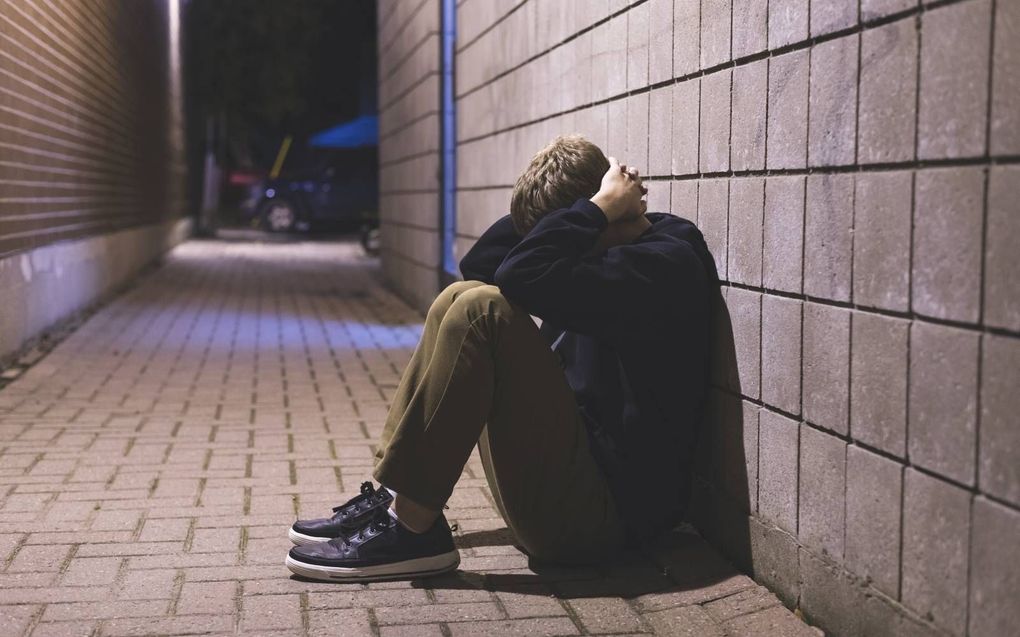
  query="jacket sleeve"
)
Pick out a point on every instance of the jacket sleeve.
point(481, 261)
point(628, 292)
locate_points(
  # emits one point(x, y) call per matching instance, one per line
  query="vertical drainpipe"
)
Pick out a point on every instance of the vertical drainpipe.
point(448, 159)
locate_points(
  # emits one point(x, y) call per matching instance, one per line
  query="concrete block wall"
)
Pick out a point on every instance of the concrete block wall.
point(853, 165)
point(854, 168)
point(409, 146)
point(92, 174)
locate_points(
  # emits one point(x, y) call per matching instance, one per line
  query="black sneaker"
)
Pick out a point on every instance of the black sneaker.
point(347, 517)
point(381, 549)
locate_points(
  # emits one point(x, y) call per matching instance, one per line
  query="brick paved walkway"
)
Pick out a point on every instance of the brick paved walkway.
point(151, 464)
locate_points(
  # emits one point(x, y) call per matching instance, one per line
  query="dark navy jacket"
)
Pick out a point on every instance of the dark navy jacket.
point(634, 324)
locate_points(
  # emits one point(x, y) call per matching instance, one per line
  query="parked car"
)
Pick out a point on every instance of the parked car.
point(343, 197)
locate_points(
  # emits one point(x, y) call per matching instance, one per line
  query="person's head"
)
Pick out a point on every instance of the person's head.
point(568, 169)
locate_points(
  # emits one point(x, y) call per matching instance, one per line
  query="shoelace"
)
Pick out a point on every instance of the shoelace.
point(367, 493)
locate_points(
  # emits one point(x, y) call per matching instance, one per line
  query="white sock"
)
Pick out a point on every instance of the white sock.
point(393, 514)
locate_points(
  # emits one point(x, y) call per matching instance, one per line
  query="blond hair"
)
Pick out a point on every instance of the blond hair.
point(568, 169)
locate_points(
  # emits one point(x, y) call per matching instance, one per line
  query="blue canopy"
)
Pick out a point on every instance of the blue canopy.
point(361, 131)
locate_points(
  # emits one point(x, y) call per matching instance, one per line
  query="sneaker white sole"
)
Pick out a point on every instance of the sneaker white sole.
point(408, 569)
point(301, 539)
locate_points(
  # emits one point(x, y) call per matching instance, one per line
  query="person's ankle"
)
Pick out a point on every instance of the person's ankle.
point(412, 516)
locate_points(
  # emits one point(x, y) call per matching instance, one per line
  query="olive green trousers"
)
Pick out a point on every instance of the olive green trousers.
point(483, 374)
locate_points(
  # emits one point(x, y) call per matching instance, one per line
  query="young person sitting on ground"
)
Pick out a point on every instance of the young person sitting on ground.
point(585, 426)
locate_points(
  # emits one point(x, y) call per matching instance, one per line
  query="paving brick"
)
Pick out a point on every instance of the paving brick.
point(998, 471)
point(747, 134)
point(207, 598)
point(832, 125)
point(1002, 263)
point(874, 487)
point(788, 22)
point(882, 218)
point(686, 37)
point(744, 251)
point(742, 603)
point(1005, 125)
point(771, 621)
point(660, 41)
point(828, 236)
point(826, 360)
point(660, 131)
point(822, 501)
point(713, 204)
point(515, 627)
point(943, 400)
point(783, 241)
point(715, 32)
point(954, 80)
point(995, 569)
point(777, 479)
point(715, 122)
point(271, 612)
point(878, 382)
point(788, 110)
point(745, 314)
point(354, 622)
point(686, 127)
point(750, 23)
point(606, 615)
point(871, 9)
point(936, 537)
point(685, 621)
point(888, 93)
point(947, 243)
point(780, 352)
point(90, 571)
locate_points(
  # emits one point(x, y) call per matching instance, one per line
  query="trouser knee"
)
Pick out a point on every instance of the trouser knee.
point(480, 300)
point(445, 299)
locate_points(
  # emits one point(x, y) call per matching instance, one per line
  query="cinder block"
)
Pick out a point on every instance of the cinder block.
point(616, 54)
point(658, 196)
point(999, 471)
point(874, 489)
point(747, 200)
point(715, 32)
point(788, 22)
point(686, 100)
point(780, 352)
point(878, 382)
point(730, 460)
point(788, 104)
point(784, 234)
point(832, 15)
point(882, 213)
point(660, 131)
point(750, 22)
point(821, 503)
point(947, 243)
point(841, 605)
point(777, 466)
point(832, 128)
point(872, 9)
point(686, 38)
point(826, 360)
point(745, 315)
point(828, 236)
point(684, 199)
point(774, 561)
point(715, 122)
point(954, 80)
point(637, 131)
point(616, 145)
point(1002, 258)
point(660, 41)
point(943, 400)
point(994, 570)
point(888, 100)
point(747, 137)
point(1005, 127)
point(713, 204)
point(936, 530)
point(637, 47)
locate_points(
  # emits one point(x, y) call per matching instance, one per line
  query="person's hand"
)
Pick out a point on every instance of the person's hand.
point(620, 194)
